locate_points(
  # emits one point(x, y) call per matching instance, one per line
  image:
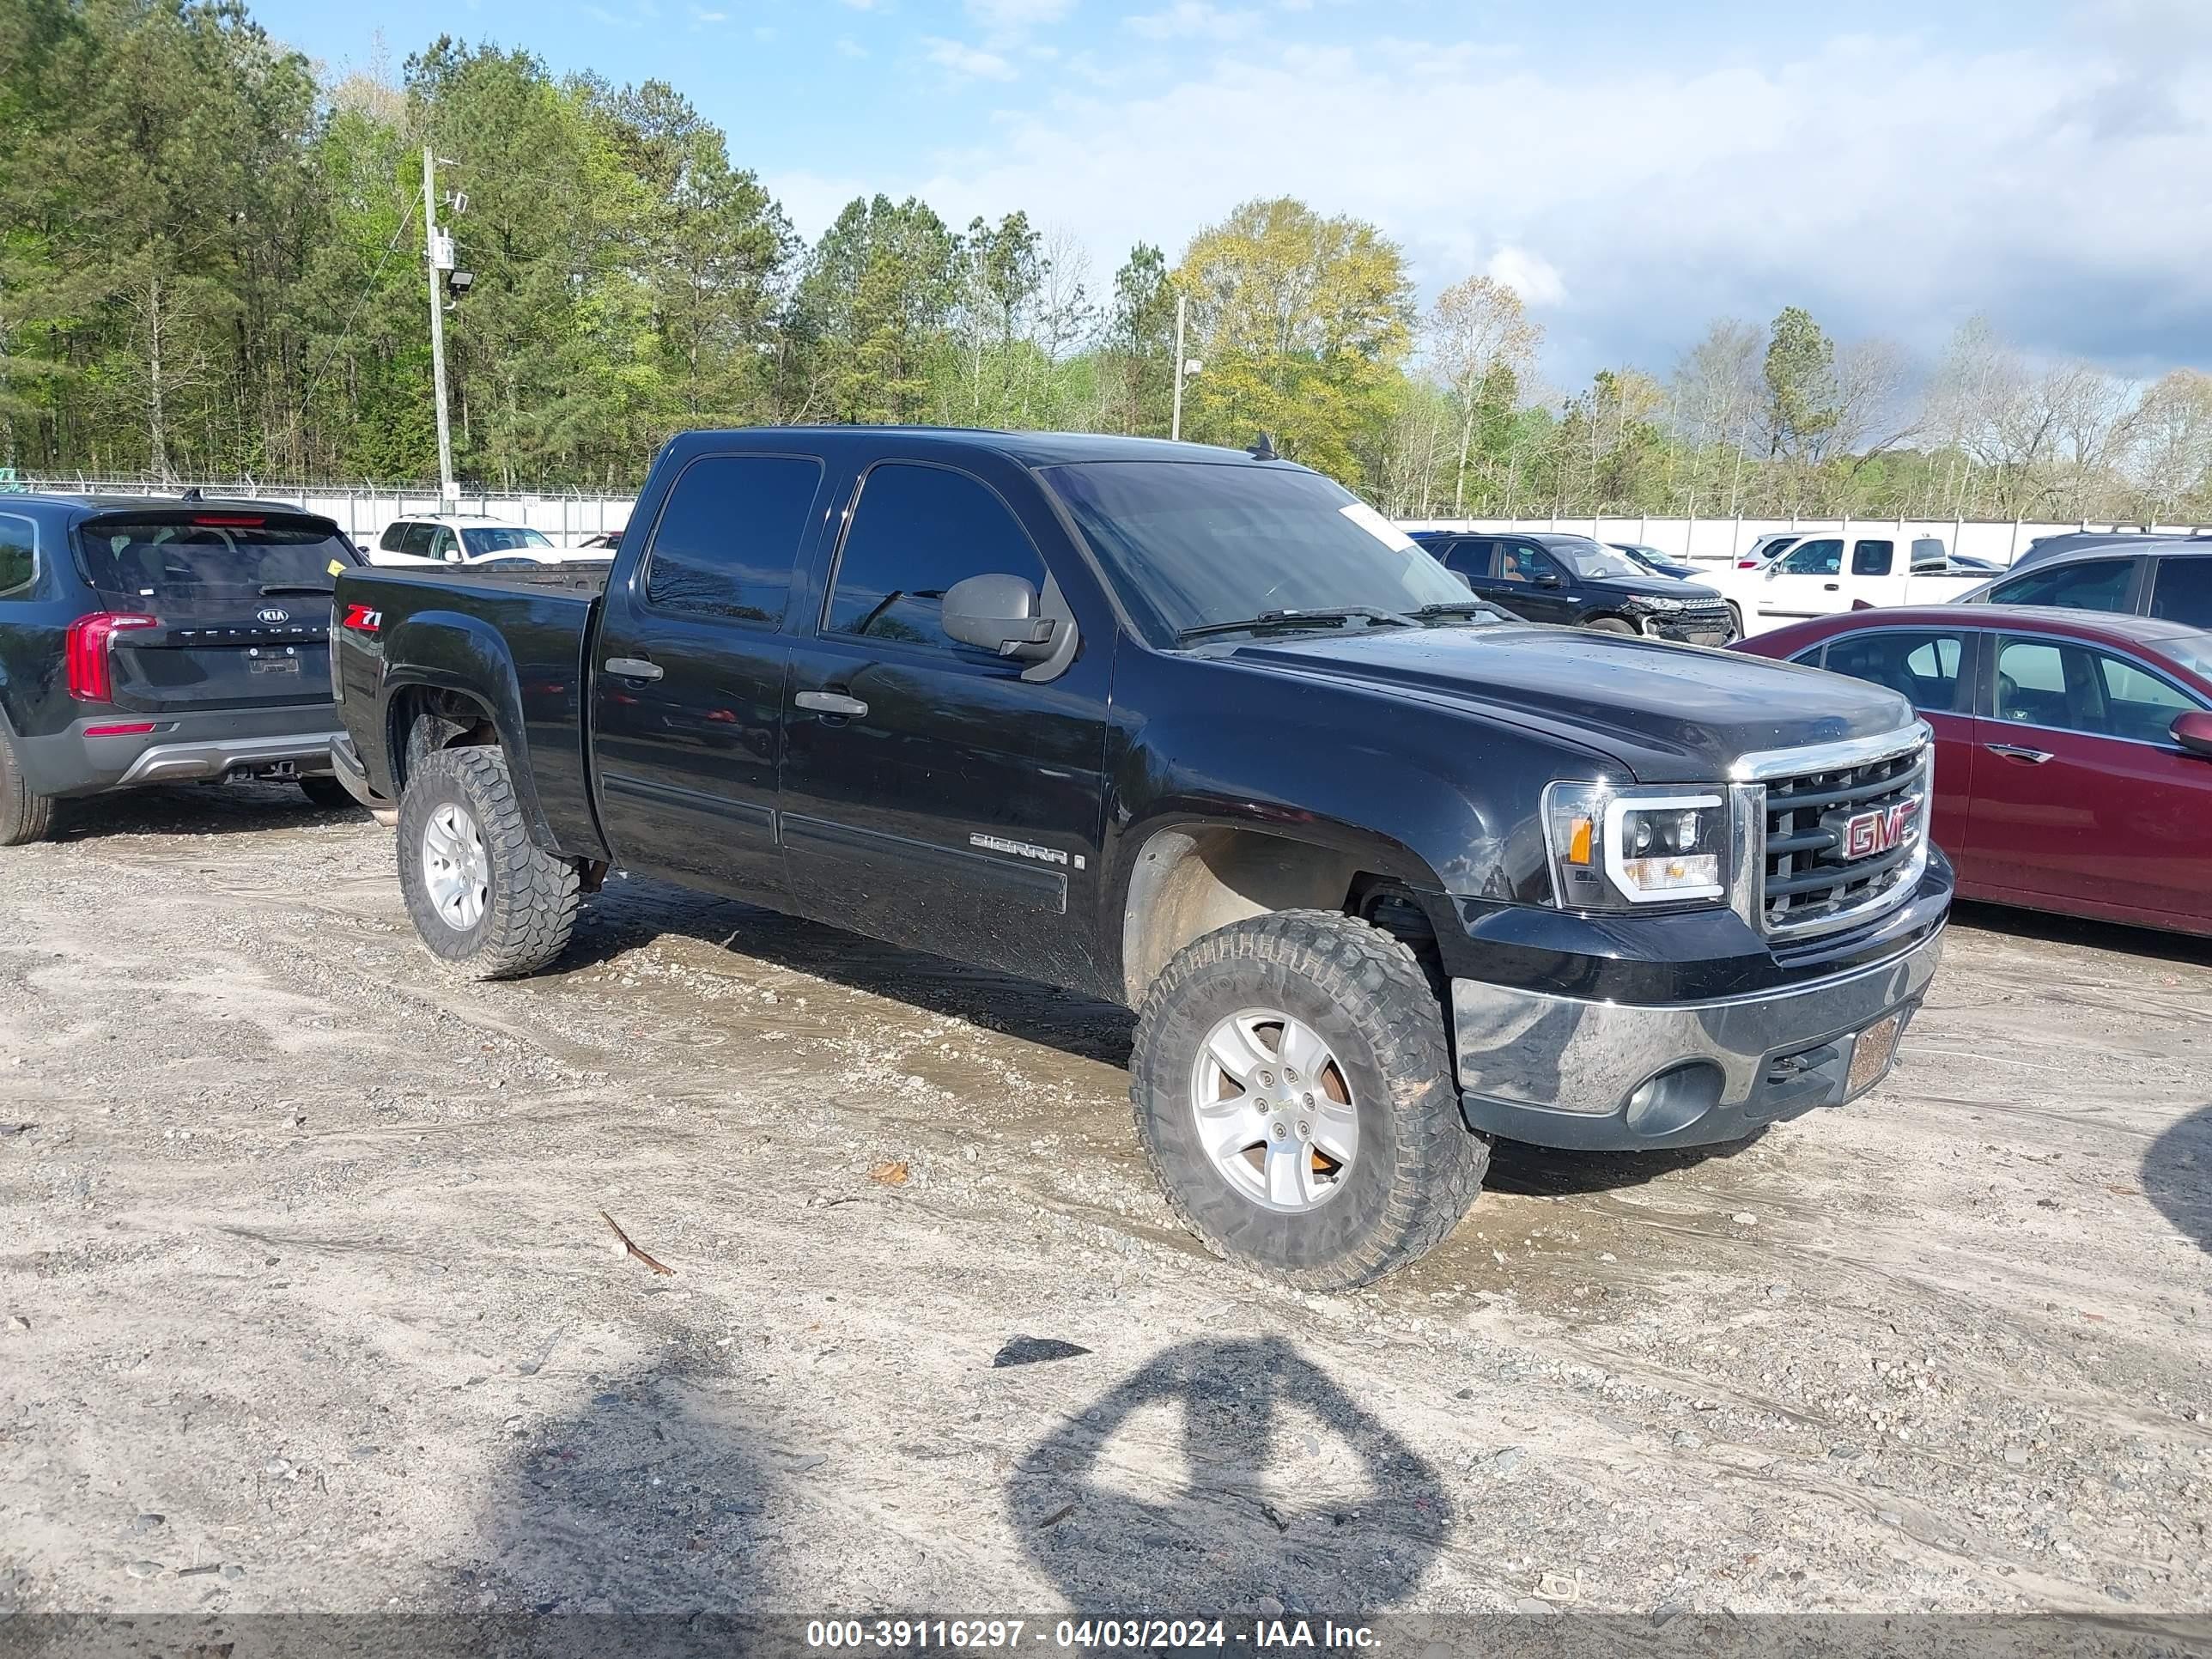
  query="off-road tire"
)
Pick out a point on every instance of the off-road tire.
point(531, 906)
point(1609, 625)
point(328, 794)
point(24, 817)
point(1418, 1165)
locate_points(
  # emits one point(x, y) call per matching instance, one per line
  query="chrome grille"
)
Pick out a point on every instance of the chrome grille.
point(1698, 619)
point(1810, 884)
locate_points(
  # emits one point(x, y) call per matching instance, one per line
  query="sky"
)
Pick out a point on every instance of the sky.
point(1634, 170)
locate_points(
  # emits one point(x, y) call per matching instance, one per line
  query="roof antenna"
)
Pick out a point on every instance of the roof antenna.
point(1262, 451)
point(192, 494)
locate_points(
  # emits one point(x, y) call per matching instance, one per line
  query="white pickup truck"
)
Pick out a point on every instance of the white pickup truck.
point(1823, 574)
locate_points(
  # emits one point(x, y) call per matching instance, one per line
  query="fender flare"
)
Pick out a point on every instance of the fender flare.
point(452, 652)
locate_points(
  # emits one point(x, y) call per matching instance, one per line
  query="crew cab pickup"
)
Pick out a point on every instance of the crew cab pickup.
point(1384, 873)
point(1825, 575)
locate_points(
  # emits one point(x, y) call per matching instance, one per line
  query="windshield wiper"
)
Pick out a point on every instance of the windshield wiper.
point(1317, 618)
point(1458, 608)
point(269, 590)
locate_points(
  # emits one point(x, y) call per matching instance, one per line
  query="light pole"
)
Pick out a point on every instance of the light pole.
point(1175, 421)
point(438, 256)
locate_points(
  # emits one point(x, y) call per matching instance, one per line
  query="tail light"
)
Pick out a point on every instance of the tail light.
point(85, 653)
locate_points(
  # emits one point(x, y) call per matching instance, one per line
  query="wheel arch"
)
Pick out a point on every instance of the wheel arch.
point(1195, 876)
point(458, 669)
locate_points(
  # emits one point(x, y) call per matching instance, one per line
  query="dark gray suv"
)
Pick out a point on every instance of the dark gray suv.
point(2140, 577)
point(155, 640)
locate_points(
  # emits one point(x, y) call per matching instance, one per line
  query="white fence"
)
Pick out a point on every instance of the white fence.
point(363, 512)
point(1715, 541)
point(568, 517)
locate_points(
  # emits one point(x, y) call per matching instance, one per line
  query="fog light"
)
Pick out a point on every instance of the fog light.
point(1675, 1099)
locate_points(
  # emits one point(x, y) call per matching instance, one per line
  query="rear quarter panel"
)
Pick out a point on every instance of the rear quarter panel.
point(515, 650)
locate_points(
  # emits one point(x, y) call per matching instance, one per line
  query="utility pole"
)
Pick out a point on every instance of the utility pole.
point(438, 256)
point(1174, 422)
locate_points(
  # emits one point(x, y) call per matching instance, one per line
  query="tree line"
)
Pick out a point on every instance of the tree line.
point(211, 266)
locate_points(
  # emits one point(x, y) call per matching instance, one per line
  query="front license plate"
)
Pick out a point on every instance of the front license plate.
point(274, 665)
point(1876, 1045)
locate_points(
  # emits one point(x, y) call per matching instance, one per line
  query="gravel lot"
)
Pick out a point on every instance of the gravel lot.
point(308, 1300)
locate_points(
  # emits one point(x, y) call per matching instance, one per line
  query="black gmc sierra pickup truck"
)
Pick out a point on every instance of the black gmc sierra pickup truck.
point(1383, 874)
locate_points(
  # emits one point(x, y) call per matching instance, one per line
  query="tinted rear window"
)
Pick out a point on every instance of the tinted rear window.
point(2092, 585)
point(210, 560)
point(2184, 592)
point(730, 534)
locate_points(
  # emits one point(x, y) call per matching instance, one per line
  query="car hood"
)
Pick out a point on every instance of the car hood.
point(1670, 713)
point(1661, 587)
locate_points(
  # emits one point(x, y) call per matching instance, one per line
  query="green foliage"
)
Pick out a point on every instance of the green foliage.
point(211, 266)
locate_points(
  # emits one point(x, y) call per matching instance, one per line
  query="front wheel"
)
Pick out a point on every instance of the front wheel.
point(1609, 625)
point(488, 901)
point(1292, 1092)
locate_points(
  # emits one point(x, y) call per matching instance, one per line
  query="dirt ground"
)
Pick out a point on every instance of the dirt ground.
point(309, 1304)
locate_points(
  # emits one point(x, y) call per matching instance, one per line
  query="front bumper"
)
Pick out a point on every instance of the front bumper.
point(185, 747)
point(1562, 1071)
point(1714, 632)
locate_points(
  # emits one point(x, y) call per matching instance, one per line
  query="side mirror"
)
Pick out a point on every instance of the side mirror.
point(1549, 579)
point(1465, 580)
point(2193, 731)
point(453, 556)
point(998, 614)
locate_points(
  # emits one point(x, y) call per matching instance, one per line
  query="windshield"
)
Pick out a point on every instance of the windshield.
point(1591, 561)
point(225, 561)
point(1192, 543)
point(2193, 654)
point(500, 538)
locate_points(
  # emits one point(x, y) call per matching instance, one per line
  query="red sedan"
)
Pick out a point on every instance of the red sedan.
point(2073, 748)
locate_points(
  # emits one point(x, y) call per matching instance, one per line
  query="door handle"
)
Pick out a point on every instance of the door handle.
point(1832, 587)
point(2013, 751)
point(633, 668)
point(831, 702)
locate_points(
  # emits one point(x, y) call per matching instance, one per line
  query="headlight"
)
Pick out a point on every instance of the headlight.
point(1654, 602)
point(1613, 846)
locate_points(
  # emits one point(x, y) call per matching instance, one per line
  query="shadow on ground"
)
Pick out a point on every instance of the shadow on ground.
point(2176, 1176)
point(657, 1496)
point(1223, 1472)
point(628, 913)
point(2044, 927)
point(1548, 1172)
point(185, 809)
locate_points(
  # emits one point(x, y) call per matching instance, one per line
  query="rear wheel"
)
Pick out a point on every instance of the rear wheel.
point(328, 793)
point(488, 901)
point(1292, 1092)
point(24, 817)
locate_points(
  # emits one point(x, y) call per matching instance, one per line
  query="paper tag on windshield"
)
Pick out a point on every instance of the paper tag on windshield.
point(335, 568)
point(1379, 527)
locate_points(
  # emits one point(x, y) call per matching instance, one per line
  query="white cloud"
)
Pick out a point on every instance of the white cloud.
point(966, 63)
point(1194, 19)
point(848, 47)
point(1528, 274)
point(701, 15)
point(1891, 184)
point(1011, 16)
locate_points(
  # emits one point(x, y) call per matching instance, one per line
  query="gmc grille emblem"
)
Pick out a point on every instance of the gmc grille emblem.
point(1868, 835)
